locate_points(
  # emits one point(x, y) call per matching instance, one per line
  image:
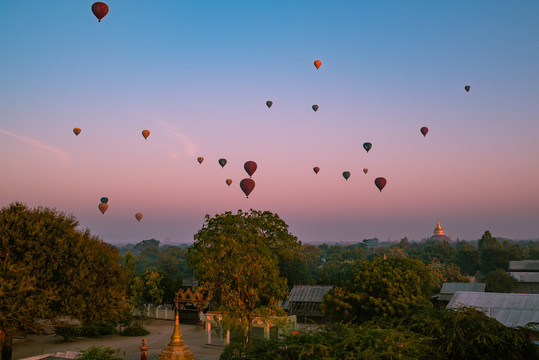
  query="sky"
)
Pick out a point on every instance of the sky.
point(198, 73)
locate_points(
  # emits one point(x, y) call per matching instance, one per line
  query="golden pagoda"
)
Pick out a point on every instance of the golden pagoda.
point(176, 348)
point(439, 234)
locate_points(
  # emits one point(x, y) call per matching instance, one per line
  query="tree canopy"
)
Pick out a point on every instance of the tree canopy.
point(50, 268)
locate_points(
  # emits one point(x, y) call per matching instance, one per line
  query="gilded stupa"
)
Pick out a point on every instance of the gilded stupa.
point(176, 348)
point(438, 234)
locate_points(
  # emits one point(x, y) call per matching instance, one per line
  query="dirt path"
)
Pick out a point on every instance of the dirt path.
point(160, 332)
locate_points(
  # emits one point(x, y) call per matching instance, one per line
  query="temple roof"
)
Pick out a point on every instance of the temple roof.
point(438, 229)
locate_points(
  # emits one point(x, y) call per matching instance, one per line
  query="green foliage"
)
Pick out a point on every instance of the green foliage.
point(445, 273)
point(493, 258)
point(469, 334)
point(238, 260)
point(381, 289)
point(145, 244)
point(47, 262)
point(99, 353)
point(98, 329)
point(487, 240)
point(499, 281)
point(467, 259)
point(68, 332)
point(136, 329)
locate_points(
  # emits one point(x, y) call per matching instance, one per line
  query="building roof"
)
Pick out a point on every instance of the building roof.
point(524, 265)
point(511, 310)
point(449, 289)
point(308, 293)
point(529, 277)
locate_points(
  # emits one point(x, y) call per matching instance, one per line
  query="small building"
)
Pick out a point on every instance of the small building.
point(526, 272)
point(305, 301)
point(512, 310)
point(449, 289)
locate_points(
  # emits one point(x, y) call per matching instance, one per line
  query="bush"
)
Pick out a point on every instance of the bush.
point(96, 330)
point(68, 331)
point(135, 329)
point(99, 353)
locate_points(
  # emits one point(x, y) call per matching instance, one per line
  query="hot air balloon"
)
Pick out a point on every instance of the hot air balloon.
point(367, 146)
point(103, 207)
point(315, 108)
point(247, 185)
point(380, 182)
point(145, 133)
point(317, 63)
point(76, 131)
point(228, 181)
point(346, 175)
point(424, 130)
point(200, 159)
point(316, 169)
point(104, 200)
point(467, 88)
point(269, 103)
point(365, 170)
point(222, 162)
point(100, 9)
point(250, 167)
point(138, 216)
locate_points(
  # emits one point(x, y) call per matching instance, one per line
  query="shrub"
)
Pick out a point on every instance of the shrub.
point(68, 331)
point(135, 329)
point(99, 353)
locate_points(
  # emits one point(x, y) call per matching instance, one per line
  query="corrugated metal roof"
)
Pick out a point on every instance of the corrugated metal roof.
point(524, 265)
point(453, 287)
point(308, 293)
point(526, 276)
point(511, 310)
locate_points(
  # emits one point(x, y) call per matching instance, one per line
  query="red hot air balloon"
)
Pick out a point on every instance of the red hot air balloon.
point(250, 167)
point(103, 207)
point(424, 130)
point(247, 185)
point(138, 216)
point(317, 64)
point(316, 169)
point(145, 133)
point(380, 182)
point(100, 9)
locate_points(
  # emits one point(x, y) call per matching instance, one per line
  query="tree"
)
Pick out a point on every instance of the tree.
point(493, 258)
point(499, 281)
point(487, 240)
point(467, 259)
point(50, 268)
point(238, 258)
point(381, 289)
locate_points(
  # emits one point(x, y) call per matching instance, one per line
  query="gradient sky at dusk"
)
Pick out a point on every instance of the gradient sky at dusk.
point(197, 74)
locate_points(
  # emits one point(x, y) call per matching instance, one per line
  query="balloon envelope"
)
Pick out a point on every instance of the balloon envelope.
point(467, 88)
point(316, 169)
point(145, 133)
point(247, 185)
point(367, 146)
point(346, 175)
point(103, 207)
point(315, 108)
point(222, 162)
point(76, 131)
point(380, 182)
point(100, 9)
point(250, 167)
point(269, 103)
point(365, 170)
point(104, 200)
point(228, 181)
point(138, 216)
point(200, 159)
point(317, 63)
point(424, 130)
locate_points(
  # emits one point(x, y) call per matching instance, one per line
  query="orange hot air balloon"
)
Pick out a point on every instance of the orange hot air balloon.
point(200, 159)
point(424, 130)
point(316, 169)
point(145, 133)
point(103, 207)
point(365, 170)
point(247, 185)
point(76, 131)
point(100, 9)
point(317, 63)
point(228, 181)
point(380, 182)
point(138, 216)
point(250, 167)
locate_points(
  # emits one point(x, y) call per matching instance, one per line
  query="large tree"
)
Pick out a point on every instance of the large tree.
point(239, 260)
point(50, 268)
point(382, 288)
